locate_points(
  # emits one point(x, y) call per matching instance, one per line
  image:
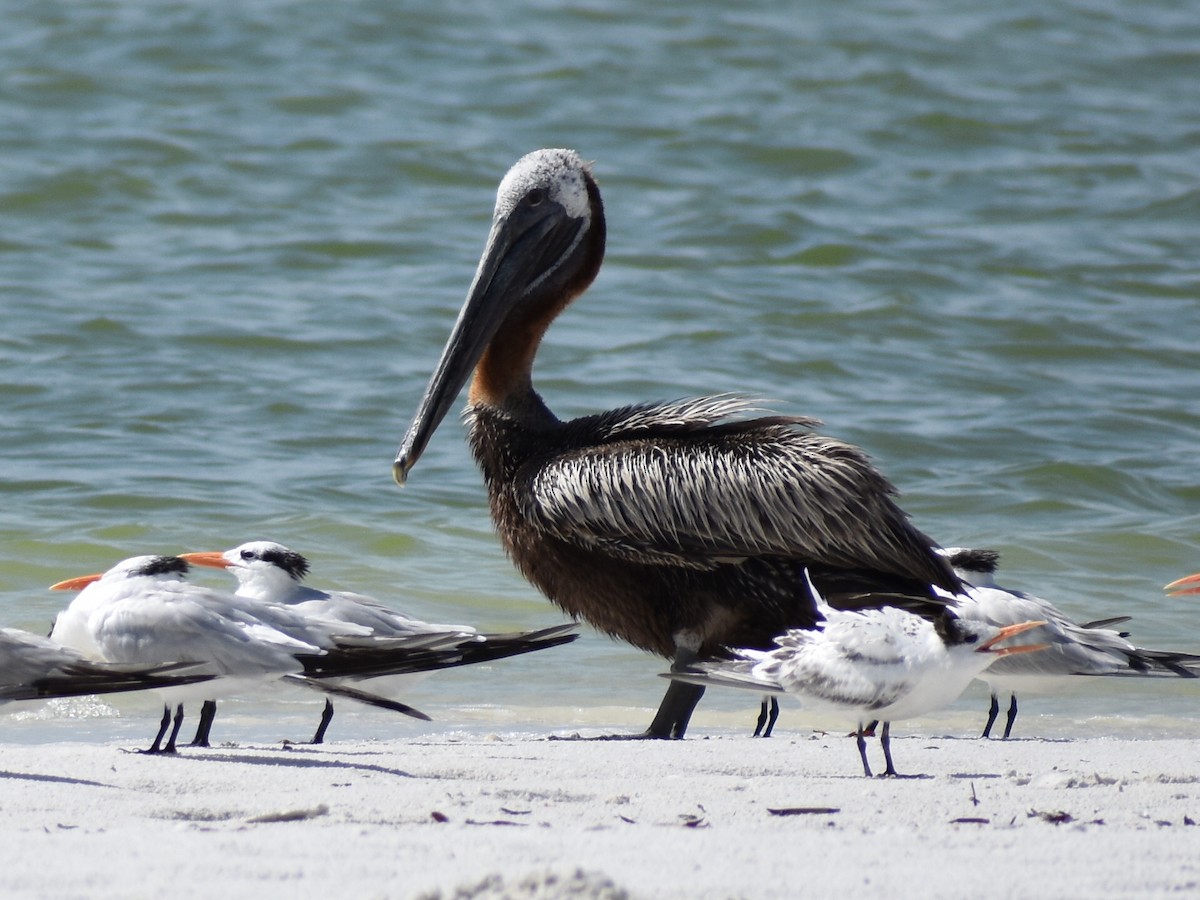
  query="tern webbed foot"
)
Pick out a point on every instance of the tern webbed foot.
point(885, 741)
point(326, 718)
point(156, 746)
point(1012, 716)
point(208, 712)
point(993, 711)
point(170, 748)
point(861, 740)
point(762, 719)
point(766, 717)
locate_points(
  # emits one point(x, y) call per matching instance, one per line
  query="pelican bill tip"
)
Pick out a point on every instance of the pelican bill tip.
point(400, 469)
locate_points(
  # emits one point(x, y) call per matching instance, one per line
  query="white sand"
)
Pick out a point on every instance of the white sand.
point(1092, 817)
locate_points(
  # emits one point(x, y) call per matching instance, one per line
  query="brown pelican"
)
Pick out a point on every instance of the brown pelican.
point(683, 527)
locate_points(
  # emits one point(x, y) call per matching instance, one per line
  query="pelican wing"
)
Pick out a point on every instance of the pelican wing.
point(729, 491)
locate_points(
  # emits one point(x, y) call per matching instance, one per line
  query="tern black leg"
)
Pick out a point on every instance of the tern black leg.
point(675, 711)
point(326, 718)
point(767, 715)
point(774, 714)
point(885, 741)
point(170, 748)
point(862, 750)
point(208, 712)
point(162, 730)
point(993, 711)
point(1012, 716)
point(762, 718)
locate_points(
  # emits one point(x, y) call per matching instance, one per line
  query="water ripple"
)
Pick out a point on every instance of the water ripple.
point(964, 237)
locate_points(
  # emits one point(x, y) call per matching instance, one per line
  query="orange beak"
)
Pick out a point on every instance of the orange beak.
point(76, 584)
point(1012, 631)
point(214, 560)
point(1188, 585)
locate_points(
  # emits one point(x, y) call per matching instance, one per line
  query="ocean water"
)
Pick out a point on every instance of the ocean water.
point(963, 235)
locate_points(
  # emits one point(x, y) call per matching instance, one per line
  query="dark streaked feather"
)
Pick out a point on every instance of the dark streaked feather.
point(706, 494)
point(702, 528)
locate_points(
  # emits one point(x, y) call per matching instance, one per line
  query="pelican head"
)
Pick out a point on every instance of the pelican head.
point(544, 248)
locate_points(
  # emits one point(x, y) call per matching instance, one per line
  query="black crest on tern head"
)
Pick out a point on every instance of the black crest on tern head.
point(281, 557)
point(163, 565)
point(981, 561)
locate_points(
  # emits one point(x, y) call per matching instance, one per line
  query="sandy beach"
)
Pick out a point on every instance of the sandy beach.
point(518, 814)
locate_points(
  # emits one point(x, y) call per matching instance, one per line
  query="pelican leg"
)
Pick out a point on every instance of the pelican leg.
point(162, 730)
point(678, 703)
point(862, 750)
point(675, 711)
point(1012, 716)
point(326, 718)
point(885, 741)
point(993, 711)
point(670, 722)
point(208, 712)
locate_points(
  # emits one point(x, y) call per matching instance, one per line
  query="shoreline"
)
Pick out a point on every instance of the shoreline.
point(428, 815)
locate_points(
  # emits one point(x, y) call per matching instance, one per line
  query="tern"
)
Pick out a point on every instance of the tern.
point(272, 573)
point(873, 664)
point(1074, 651)
point(143, 611)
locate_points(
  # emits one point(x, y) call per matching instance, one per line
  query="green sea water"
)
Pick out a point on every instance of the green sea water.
point(964, 235)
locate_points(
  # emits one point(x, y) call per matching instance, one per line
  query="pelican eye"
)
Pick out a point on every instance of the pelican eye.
point(535, 197)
